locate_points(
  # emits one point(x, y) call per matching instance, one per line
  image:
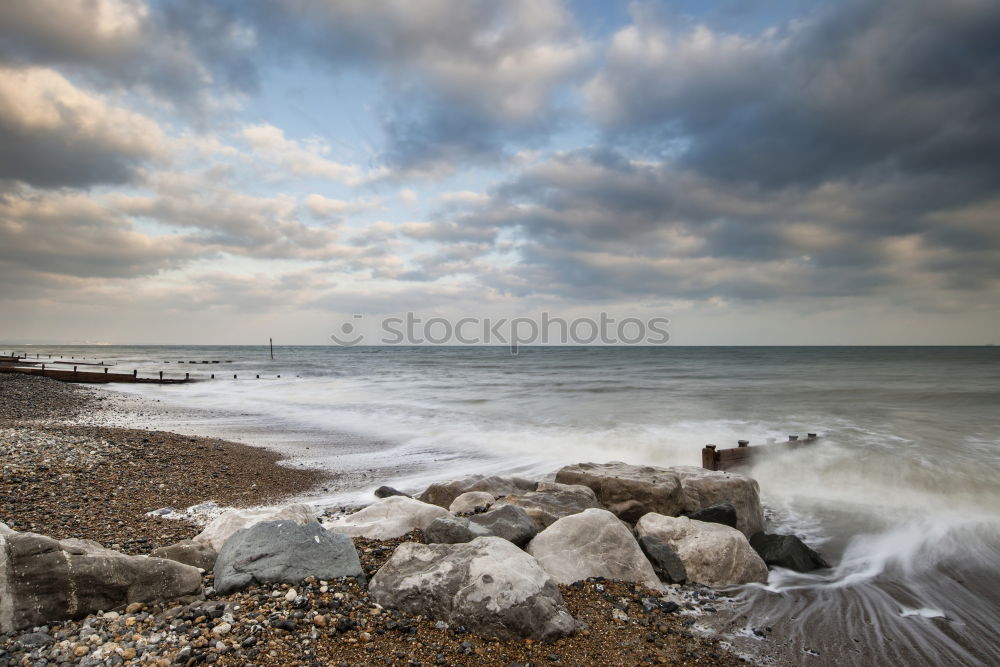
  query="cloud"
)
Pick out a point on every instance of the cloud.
point(53, 133)
point(68, 234)
point(306, 158)
point(327, 208)
point(593, 224)
point(860, 90)
point(463, 76)
point(188, 54)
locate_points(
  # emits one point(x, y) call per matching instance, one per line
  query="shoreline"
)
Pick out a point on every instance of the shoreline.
point(98, 482)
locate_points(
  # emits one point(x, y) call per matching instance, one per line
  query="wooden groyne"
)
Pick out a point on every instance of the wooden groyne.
point(744, 453)
point(92, 377)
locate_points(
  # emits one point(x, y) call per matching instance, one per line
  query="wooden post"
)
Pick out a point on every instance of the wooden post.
point(258, 376)
point(74, 369)
point(234, 376)
point(742, 443)
point(105, 370)
point(187, 376)
point(708, 458)
point(271, 342)
point(793, 438)
point(810, 436)
point(213, 376)
point(161, 376)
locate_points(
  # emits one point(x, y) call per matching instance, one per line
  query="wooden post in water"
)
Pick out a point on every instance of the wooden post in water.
point(187, 376)
point(161, 376)
point(742, 443)
point(135, 375)
point(708, 458)
point(271, 342)
point(105, 370)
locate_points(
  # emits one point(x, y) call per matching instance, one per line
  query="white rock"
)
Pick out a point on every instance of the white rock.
point(713, 554)
point(471, 501)
point(388, 518)
point(487, 585)
point(593, 543)
point(226, 524)
point(291, 595)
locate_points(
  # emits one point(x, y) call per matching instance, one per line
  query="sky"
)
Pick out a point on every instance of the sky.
point(762, 173)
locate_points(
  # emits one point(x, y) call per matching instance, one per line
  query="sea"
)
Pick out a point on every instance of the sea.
point(900, 492)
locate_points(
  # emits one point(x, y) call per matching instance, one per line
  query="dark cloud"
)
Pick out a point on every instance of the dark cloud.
point(184, 52)
point(862, 90)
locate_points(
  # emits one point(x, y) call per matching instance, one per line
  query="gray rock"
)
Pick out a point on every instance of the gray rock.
point(488, 585)
point(656, 489)
point(471, 502)
point(386, 491)
point(552, 502)
point(42, 579)
point(453, 530)
point(593, 543)
point(443, 494)
point(189, 552)
point(787, 551)
point(723, 513)
point(713, 554)
point(284, 552)
point(704, 488)
point(629, 511)
point(32, 640)
point(665, 561)
point(510, 522)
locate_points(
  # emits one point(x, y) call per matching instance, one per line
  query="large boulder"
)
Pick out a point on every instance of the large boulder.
point(552, 502)
point(443, 494)
point(704, 488)
point(388, 518)
point(713, 554)
point(284, 552)
point(593, 543)
point(452, 530)
point(787, 551)
point(489, 586)
point(42, 579)
point(510, 522)
point(189, 552)
point(471, 501)
point(228, 523)
point(631, 490)
point(622, 485)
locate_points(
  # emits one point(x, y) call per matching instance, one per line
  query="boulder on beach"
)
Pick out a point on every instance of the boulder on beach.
point(510, 522)
point(666, 563)
point(703, 488)
point(623, 485)
point(471, 501)
point(723, 513)
point(284, 552)
point(189, 552)
point(713, 554)
point(489, 586)
point(552, 502)
point(787, 551)
point(443, 494)
point(453, 530)
point(226, 524)
point(388, 518)
point(593, 543)
point(42, 579)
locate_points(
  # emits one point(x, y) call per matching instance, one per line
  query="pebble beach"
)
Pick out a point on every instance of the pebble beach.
point(66, 478)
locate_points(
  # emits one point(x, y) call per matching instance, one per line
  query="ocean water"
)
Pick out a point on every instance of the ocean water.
point(901, 493)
